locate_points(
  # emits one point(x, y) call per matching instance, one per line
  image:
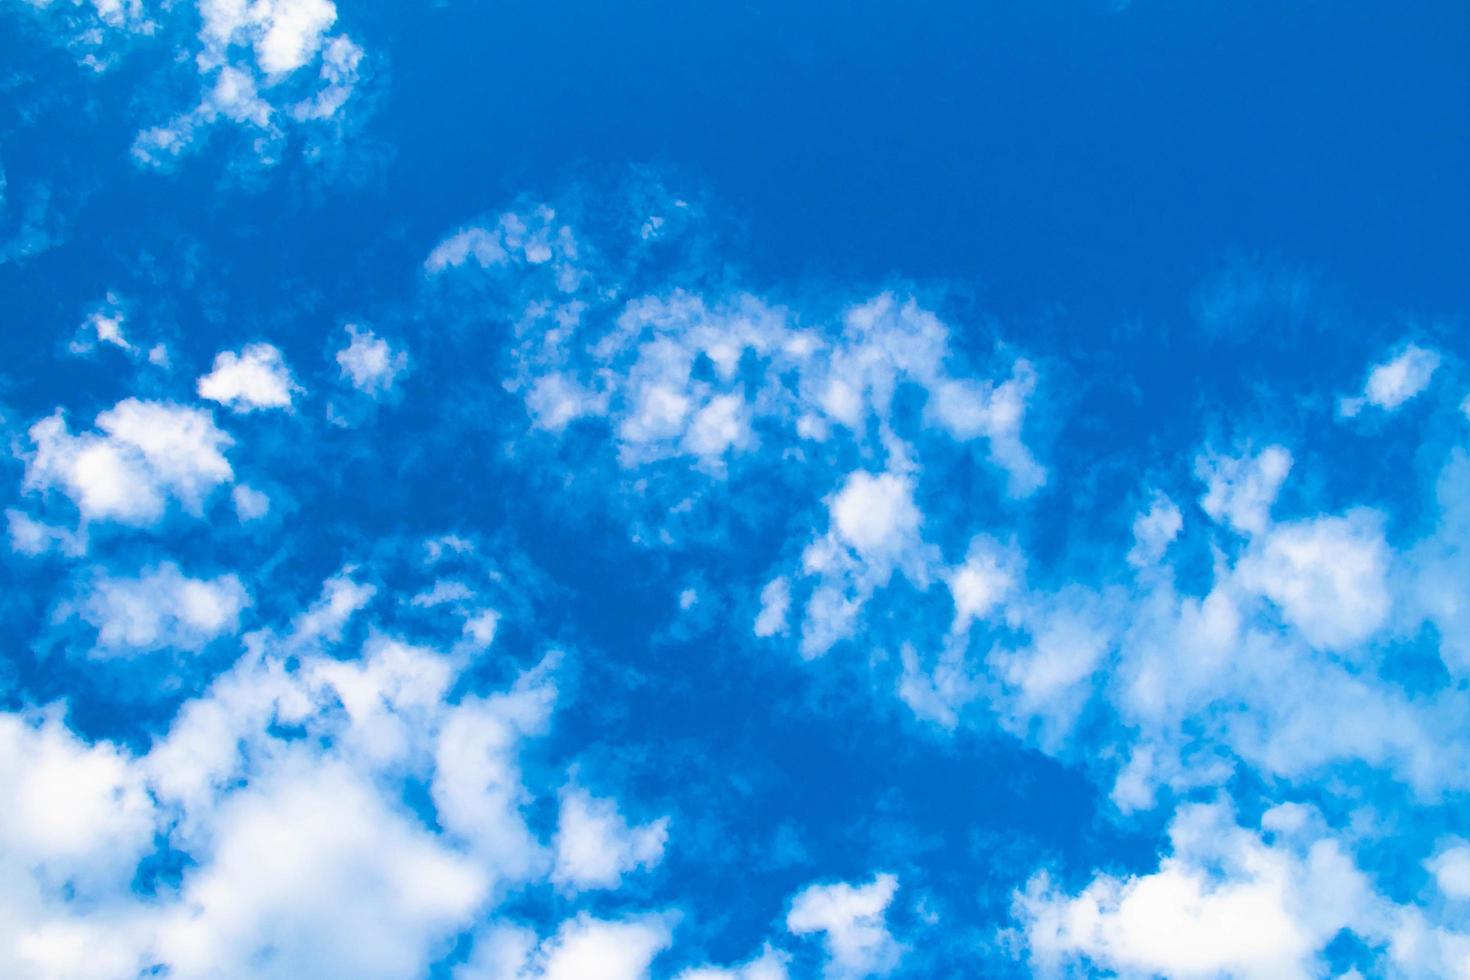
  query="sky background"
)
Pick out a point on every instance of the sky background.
point(578, 490)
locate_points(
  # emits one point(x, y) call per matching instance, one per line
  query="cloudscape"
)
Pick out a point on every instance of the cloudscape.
point(734, 491)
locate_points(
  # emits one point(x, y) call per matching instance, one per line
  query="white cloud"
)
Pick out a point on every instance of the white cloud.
point(1240, 490)
point(477, 787)
point(875, 514)
point(250, 504)
point(1451, 869)
point(146, 453)
point(721, 425)
point(532, 239)
point(1327, 575)
point(769, 965)
point(1153, 531)
point(341, 597)
point(596, 846)
point(851, 919)
point(29, 536)
point(1049, 681)
point(775, 603)
point(391, 697)
point(1394, 382)
point(583, 948)
point(980, 585)
point(103, 326)
point(78, 814)
point(162, 607)
point(369, 363)
point(312, 873)
point(1225, 902)
point(255, 378)
point(255, 64)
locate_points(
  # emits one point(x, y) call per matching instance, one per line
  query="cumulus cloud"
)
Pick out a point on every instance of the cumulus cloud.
point(144, 455)
point(1328, 576)
point(255, 378)
point(255, 64)
point(583, 948)
point(1267, 911)
point(775, 603)
point(769, 965)
point(1232, 901)
point(852, 922)
point(1239, 491)
point(161, 607)
point(1451, 869)
point(1394, 382)
point(77, 813)
point(596, 846)
point(313, 873)
point(875, 514)
point(1154, 530)
point(282, 795)
point(250, 503)
point(369, 363)
point(669, 375)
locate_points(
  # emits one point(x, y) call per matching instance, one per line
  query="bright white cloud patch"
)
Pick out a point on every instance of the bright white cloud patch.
point(775, 603)
point(1240, 490)
point(875, 513)
point(1451, 870)
point(1154, 530)
point(76, 812)
point(769, 965)
point(313, 873)
point(1328, 576)
point(980, 584)
point(851, 921)
point(369, 363)
point(265, 66)
point(254, 378)
point(161, 607)
point(250, 503)
point(595, 845)
point(144, 455)
point(1226, 902)
point(1394, 382)
point(583, 948)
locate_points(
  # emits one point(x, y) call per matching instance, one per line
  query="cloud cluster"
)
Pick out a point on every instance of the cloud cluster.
point(142, 456)
point(269, 68)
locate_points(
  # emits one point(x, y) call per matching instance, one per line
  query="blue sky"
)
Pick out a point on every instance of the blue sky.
point(571, 491)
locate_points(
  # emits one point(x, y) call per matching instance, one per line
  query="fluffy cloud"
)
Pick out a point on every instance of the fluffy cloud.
point(162, 607)
point(312, 873)
point(145, 454)
point(1394, 382)
point(1225, 902)
point(693, 378)
point(255, 63)
point(851, 920)
point(255, 378)
point(369, 363)
point(1154, 530)
point(1451, 869)
point(270, 67)
point(77, 813)
point(595, 845)
point(769, 965)
point(1328, 576)
point(875, 514)
point(583, 948)
point(250, 503)
point(1240, 490)
point(1232, 901)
